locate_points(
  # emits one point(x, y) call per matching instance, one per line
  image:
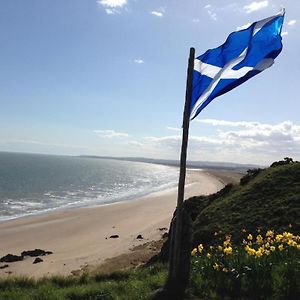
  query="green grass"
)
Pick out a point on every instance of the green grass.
point(135, 284)
point(273, 277)
point(269, 200)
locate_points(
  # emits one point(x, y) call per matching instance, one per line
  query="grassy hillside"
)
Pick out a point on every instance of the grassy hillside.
point(267, 199)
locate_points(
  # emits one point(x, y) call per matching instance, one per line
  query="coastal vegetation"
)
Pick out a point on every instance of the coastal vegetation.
point(245, 245)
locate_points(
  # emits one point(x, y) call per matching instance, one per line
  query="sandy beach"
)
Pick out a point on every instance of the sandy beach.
point(81, 236)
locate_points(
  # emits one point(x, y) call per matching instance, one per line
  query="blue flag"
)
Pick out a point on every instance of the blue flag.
point(244, 54)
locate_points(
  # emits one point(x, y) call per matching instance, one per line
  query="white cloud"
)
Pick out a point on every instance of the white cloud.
point(292, 22)
point(284, 33)
point(174, 128)
point(284, 136)
point(157, 13)
point(111, 134)
point(215, 122)
point(243, 26)
point(111, 11)
point(211, 12)
point(212, 15)
point(139, 61)
point(112, 3)
point(238, 141)
point(254, 6)
point(135, 143)
point(112, 6)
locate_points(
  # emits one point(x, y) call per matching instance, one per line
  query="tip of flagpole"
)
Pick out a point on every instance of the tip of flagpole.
point(282, 11)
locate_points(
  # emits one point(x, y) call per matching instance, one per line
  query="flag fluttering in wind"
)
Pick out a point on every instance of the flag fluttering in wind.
point(244, 54)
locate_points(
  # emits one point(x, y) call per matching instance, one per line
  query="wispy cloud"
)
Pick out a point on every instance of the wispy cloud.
point(255, 6)
point(158, 13)
point(284, 33)
point(112, 6)
point(111, 133)
point(292, 22)
point(243, 26)
point(111, 11)
point(135, 143)
point(215, 122)
point(139, 61)
point(211, 12)
point(174, 128)
point(112, 3)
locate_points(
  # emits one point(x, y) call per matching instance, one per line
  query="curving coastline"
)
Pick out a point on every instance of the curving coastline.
point(81, 236)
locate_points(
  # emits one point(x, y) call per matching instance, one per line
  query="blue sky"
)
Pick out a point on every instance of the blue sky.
point(108, 78)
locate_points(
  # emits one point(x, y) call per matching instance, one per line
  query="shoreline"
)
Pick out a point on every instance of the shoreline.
point(79, 237)
point(121, 199)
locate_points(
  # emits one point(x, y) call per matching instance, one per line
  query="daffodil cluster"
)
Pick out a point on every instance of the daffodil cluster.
point(256, 245)
point(270, 242)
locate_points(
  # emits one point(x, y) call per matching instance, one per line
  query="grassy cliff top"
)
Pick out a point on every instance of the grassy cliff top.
point(265, 199)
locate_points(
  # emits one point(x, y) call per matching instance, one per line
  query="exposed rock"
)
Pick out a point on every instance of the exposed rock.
point(140, 237)
point(11, 258)
point(114, 236)
point(165, 235)
point(37, 260)
point(36, 252)
point(4, 266)
point(8, 272)
point(163, 228)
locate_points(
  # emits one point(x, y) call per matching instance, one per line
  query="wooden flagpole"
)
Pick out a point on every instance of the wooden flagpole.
point(175, 272)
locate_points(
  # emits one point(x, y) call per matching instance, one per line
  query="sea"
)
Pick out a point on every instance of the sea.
point(34, 183)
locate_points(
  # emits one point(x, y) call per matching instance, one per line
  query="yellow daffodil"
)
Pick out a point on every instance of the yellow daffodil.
point(194, 252)
point(227, 241)
point(292, 243)
point(208, 255)
point(216, 266)
point(259, 253)
point(200, 248)
point(259, 239)
point(250, 251)
point(272, 248)
point(278, 237)
point(228, 250)
point(280, 247)
point(225, 270)
point(250, 237)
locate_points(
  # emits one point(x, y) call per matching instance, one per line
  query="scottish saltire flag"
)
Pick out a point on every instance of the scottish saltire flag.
point(245, 54)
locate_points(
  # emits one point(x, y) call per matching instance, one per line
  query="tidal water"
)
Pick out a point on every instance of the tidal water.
point(34, 183)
